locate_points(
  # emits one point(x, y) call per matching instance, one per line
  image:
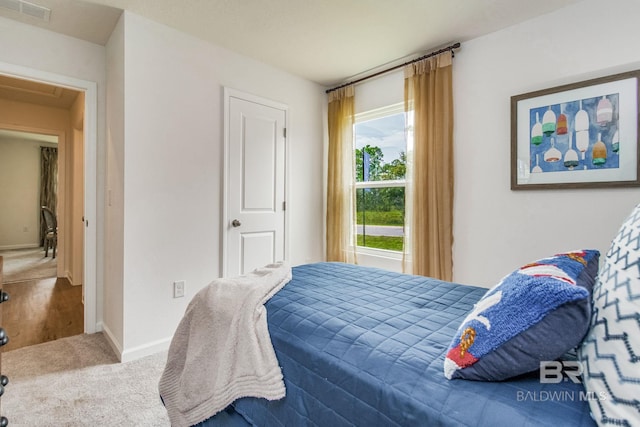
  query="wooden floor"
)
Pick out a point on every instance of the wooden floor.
point(41, 310)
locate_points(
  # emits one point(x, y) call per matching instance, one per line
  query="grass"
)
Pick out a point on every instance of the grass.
point(381, 217)
point(381, 242)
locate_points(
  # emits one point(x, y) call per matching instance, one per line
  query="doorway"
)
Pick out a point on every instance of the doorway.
point(42, 274)
point(79, 212)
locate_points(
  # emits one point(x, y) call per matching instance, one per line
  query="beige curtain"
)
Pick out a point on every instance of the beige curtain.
point(429, 211)
point(341, 177)
point(48, 182)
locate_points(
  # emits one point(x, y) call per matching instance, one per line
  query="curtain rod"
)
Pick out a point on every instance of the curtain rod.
point(428, 55)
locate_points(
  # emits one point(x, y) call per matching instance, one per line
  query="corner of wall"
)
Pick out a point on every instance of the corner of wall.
point(112, 340)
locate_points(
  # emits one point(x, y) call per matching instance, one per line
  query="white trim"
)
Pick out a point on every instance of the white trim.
point(136, 352)
point(145, 350)
point(381, 253)
point(287, 168)
point(381, 258)
point(229, 93)
point(388, 257)
point(113, 342)
point(385, 254)
point(90, 174)
point(90, 205)
point(380, 184)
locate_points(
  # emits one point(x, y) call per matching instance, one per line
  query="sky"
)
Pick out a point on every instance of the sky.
point(385, 132)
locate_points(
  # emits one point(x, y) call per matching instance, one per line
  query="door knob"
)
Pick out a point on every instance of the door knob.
point(236, 223)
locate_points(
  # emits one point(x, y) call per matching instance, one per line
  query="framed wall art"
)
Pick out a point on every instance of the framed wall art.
point(579, 135)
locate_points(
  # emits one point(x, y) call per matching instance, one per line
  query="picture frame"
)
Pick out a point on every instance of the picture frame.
point(578, 135)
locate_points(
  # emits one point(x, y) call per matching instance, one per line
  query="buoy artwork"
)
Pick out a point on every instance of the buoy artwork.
point(583, 133)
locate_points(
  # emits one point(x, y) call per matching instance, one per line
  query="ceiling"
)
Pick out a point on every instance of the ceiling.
point(325, 41)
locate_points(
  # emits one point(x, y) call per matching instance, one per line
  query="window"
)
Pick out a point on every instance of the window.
point(380, 154)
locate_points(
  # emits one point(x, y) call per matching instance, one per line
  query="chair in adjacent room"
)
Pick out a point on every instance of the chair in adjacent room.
point(51, 231)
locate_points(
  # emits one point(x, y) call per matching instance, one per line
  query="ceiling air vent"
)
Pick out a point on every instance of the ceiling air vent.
point(35, 11)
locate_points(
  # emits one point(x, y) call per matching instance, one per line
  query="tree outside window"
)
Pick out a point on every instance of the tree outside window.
point(380, 157)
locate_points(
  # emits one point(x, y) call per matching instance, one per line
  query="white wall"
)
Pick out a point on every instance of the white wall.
point(114, 206)
point(496, 229)
point(173, 142)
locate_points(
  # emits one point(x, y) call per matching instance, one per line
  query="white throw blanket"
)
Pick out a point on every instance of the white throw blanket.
point(222, 350)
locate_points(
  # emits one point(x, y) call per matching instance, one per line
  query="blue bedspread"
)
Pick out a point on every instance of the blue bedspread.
point(365, 347)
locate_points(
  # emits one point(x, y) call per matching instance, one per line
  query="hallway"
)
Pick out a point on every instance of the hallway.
point(41, 310)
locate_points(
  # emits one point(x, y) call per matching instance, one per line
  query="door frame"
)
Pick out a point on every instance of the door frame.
point(90, 175)
point(229, 93)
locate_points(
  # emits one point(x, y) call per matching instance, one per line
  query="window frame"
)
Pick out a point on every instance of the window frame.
point(365, 116)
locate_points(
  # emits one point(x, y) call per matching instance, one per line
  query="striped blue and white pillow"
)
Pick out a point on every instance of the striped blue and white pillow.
point(610, 352)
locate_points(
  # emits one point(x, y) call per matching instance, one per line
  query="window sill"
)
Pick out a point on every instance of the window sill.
point(388, 260)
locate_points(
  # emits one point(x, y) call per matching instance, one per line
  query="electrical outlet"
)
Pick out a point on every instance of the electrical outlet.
point(178, 289)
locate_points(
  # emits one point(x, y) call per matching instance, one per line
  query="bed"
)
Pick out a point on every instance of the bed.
point(358, 346)
point(364, 346)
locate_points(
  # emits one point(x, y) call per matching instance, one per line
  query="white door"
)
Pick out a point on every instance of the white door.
point(255, 183)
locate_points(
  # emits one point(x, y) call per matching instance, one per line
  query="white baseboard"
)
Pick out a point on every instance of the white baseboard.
point(136, 352)
point(69, 277)
point(146, 350)
point(15, 247)
point(113, 342)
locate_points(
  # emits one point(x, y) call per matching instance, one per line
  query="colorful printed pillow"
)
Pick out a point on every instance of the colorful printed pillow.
point(534, 314)
point(610, 353)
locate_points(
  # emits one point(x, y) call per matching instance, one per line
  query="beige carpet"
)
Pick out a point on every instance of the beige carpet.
point(27, 264)
point(77, 381)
